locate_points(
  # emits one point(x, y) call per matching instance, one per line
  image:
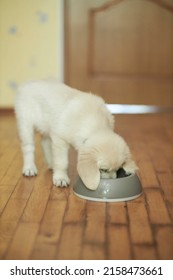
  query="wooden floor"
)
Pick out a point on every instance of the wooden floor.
point(40, 221)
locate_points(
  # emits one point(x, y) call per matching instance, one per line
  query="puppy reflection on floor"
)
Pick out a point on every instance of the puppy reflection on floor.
point(68, 117)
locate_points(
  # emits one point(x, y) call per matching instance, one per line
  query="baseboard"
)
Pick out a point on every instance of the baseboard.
point(6, 111)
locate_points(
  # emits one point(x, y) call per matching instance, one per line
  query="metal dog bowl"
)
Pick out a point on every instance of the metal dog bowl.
point(122, 188)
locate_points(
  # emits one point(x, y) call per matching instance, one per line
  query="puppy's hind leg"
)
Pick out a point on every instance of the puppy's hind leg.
point(47, 150)
point(26, 134)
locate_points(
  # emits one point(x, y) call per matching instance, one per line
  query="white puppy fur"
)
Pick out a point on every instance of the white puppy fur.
point(66, 116)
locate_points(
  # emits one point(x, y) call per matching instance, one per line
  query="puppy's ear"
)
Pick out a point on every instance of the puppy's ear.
point(88, 170)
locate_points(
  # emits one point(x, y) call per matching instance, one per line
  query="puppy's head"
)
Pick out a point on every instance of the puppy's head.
point(104, 152)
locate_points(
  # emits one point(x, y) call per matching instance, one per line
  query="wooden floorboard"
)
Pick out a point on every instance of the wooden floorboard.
point(40, 221)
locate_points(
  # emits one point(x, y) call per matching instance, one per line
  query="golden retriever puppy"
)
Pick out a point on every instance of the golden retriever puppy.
point(68, 117)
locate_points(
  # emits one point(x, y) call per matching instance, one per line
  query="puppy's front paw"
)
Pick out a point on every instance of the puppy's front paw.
point(61, 180)
point(129, 172)
point(30, 170)
point(130, 168)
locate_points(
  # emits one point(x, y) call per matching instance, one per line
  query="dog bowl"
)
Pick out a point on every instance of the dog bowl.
point(123, 188)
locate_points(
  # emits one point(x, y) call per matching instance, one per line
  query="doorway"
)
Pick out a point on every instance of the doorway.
point(120, 49)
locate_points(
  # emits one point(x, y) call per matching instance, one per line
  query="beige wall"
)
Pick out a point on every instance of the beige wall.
point(30, 47)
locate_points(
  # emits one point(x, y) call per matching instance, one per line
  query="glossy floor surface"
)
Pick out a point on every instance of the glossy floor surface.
point(40, 221)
